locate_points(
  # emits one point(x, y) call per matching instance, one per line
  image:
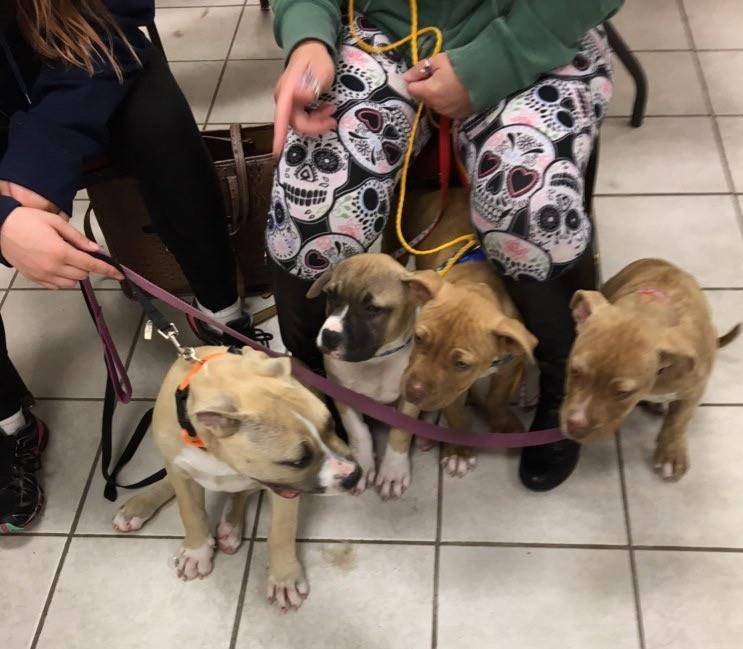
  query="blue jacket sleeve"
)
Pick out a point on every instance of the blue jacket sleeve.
point(66, 121)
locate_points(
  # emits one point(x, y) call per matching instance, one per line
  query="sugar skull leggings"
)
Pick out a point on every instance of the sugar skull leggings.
point(526, 159)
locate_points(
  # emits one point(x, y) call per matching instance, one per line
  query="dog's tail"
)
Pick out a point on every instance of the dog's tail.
point(729, 337)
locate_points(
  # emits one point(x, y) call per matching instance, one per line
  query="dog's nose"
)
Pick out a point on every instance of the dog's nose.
point(349, 482)
point(577, 424)
point(330, 339)
point(415, 391)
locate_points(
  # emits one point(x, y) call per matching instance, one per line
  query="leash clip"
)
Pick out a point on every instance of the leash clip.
point(171, 334)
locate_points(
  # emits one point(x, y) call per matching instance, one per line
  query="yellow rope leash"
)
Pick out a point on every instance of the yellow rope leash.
point(412, 37)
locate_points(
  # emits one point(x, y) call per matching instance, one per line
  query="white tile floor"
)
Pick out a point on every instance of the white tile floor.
point(614, 559)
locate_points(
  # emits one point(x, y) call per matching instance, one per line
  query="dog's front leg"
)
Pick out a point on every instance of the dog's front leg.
point(194, 559)
point(458, 460)
point(287, 586)
point(230, 528)
point(393, 477)
point(671, 458)
point(497, 403)
point(360, 440)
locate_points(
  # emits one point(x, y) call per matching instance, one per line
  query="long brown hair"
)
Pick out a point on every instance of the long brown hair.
point(64, 30)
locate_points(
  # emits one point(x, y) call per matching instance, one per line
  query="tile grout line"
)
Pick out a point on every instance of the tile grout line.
point(713, 115)
point(224, 66)
point(630, 547)
point(437, 555)
point(246, 574)
point(78, 512)
point(420, 544)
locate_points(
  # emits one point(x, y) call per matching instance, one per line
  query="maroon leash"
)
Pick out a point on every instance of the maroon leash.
point(370, 407)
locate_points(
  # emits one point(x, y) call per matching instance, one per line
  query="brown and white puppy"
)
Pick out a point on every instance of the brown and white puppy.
point(467, 328)
point(647, 336)
point(366, 341)
point(262, 430)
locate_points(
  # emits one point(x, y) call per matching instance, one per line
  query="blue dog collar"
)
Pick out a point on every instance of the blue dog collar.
point(503, 360)
point(475, 254)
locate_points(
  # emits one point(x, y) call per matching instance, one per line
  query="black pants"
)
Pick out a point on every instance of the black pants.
point(154, 138)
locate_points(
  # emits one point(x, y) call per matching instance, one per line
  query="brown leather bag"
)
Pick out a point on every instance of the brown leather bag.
point(244, 166)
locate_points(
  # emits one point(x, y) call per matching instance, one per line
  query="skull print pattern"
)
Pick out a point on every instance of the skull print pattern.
point(525, 158)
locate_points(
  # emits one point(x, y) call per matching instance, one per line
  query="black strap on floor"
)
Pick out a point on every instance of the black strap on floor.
point(110, 474)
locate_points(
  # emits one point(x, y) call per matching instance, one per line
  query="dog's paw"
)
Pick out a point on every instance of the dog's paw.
point(393, 477)
point(368, 475)
point(424, 444)
point(125, 521)
point(288, 588)
point(671, 463)
point(458, 461)
point(229, 537)
point(190, 563)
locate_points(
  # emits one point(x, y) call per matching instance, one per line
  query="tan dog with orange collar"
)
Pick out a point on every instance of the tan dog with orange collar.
point(245, 424)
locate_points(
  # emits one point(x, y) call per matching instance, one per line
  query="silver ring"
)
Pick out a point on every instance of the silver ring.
point(426, 68)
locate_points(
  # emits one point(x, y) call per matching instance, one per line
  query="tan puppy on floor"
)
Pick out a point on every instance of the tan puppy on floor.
point(261, 429)
point(467, 328)
point(647, 336)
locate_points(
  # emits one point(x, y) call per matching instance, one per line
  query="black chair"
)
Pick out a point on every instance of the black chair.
point(630, 62)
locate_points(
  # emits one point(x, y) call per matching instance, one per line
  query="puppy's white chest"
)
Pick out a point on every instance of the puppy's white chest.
point(377, 378)
point(211, 473)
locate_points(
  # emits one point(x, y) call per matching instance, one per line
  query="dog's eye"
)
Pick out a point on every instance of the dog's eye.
point(623, 394)
point(575, 373)
point(302, 462)
point(372, 309)
point(461, 366)
point(419, 340)
point(661, 370)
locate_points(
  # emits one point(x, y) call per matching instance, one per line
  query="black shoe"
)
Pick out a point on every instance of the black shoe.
point(545, 467)
point(243, 325)
point(21, 496)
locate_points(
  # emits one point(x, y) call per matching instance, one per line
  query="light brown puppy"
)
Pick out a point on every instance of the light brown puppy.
point(261, 430)
point(647, 336)
point(467, 328)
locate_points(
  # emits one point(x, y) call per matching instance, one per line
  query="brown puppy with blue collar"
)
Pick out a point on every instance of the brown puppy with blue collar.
point(252, 426)
point(467, 329)
point(647, 336)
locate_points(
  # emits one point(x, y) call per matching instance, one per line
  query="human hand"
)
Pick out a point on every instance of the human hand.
point(440, 89)
point(27, 197)
point(48, 250)
point(308, 74)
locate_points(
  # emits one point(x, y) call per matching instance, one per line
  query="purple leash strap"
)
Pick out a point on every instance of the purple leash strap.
point(114, 366)
point(307, 377)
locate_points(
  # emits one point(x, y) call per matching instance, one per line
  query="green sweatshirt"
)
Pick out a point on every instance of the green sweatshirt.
point(497, 47)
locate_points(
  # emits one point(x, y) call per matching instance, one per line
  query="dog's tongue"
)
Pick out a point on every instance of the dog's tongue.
point(286, 492)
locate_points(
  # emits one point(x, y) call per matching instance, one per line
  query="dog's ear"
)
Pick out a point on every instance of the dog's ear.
point(586, 303)
point(515, 337)
point(320, 283)
point(221, 424)
point(423, 285)
point(676, 352)
point(275, 367)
